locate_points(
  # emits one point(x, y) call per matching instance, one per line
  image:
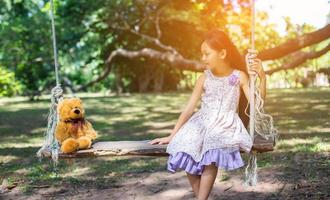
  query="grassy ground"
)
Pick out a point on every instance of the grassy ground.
point(302, 153)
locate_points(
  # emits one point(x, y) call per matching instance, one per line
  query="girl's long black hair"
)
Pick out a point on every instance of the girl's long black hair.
point(218, 40)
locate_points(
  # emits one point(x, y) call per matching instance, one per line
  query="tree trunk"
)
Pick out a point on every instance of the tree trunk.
point(159, 80)
point(119, 84)
point(145, 79)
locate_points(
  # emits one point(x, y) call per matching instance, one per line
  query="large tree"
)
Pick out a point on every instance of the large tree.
point(137, 41)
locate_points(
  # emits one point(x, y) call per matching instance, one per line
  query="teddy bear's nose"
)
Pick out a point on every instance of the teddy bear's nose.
point(77, 111)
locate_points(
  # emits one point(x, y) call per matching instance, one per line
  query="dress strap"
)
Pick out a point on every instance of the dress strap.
point(207, 73)
point(237, 72)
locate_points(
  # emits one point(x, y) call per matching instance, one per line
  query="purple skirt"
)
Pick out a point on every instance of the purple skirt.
point(223, 159)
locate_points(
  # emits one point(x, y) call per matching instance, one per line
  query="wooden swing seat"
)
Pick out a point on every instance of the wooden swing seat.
point(119, 148)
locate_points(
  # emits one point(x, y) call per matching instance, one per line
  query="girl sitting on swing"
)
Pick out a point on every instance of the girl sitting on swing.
point(211, 138)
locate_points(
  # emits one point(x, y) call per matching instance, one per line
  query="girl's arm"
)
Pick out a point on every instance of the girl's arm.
point(190, 107)
point(186, 113)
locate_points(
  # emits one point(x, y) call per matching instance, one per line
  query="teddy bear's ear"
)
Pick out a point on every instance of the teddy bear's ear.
point(79, 100)
point(75, 101)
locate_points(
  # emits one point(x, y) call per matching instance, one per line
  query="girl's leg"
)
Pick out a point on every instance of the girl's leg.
point(207, 180)
point(194, 182)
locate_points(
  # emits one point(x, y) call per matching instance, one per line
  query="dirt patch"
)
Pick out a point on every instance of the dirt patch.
point(165, 185)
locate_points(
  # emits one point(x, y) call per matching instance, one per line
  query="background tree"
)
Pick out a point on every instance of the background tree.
point(138, 46)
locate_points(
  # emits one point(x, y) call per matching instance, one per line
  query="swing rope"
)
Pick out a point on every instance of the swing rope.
point(260, 122)
point(50, 143)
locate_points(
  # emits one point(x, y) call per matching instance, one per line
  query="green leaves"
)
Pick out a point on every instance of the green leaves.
point(88, 31)
point(8, 85)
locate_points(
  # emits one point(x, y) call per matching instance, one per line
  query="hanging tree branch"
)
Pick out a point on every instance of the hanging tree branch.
point(175, 59)
point(296, 44)
point(301, 58)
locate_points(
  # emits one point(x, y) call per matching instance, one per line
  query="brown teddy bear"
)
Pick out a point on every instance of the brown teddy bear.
point(73, 132)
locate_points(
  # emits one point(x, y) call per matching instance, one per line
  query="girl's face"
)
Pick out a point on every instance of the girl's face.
point(210, 57)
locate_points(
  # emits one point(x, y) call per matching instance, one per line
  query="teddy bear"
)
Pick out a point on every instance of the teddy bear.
point(73, 131)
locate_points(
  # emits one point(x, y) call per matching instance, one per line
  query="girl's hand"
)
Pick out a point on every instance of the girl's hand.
point(254, 64)
point(163, 140)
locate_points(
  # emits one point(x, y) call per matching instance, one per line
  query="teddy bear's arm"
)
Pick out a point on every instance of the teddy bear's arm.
point(89, 131)
point(61, 132)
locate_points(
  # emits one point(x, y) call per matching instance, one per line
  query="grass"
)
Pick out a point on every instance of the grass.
point(301, 116)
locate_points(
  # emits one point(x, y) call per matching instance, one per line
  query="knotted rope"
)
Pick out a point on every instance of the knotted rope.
point(263, 126)
point(260, 122)
point(50, 143)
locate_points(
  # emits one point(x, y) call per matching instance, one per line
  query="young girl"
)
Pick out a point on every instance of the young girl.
point(211, 138)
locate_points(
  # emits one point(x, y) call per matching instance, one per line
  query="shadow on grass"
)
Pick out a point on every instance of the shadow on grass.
point(298, 114)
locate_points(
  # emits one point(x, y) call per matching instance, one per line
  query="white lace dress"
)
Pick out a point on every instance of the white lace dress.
point(213, 134)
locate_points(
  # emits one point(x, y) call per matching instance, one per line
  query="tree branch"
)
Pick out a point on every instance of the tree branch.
point(159, 32)
point(154, 40)
point(174, 60)
point(296, 44)
point(303, 57)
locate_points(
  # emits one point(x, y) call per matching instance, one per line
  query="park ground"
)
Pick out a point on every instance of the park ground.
point(298, 168)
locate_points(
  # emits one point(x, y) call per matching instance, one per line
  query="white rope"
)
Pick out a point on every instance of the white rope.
point(50, 143)
point(251, 168)
point(260, 122)
point(263, 126)
point(54, 42)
